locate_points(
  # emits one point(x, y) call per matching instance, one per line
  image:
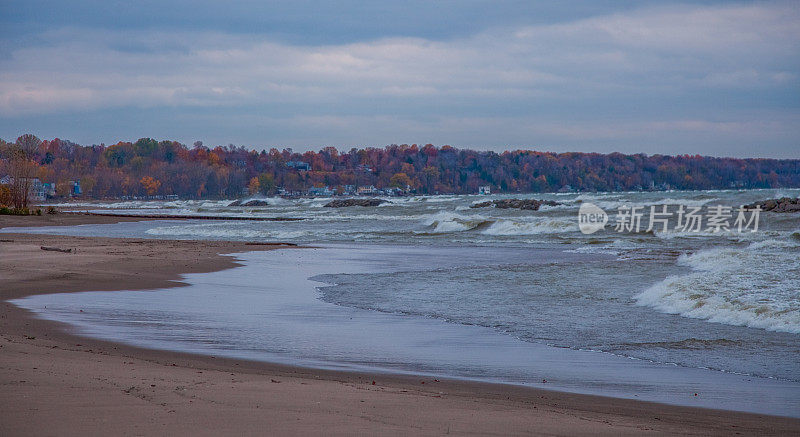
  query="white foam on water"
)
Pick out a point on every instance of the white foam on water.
point(459, 221)
point(616, 248)
point(605, 250)
point(146, 204)
point(732, 233)
point(786, 193)
point(232, 230)
point(447, 222)
point(339, 216)
point(757, 285)
point(207, 230)
point(595, 197)
point(525, 227)
point(304, 330)
point(614, 204)
point(544, 207)
point(435, 199)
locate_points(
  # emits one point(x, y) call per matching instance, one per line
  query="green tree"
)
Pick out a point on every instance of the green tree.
point(266, 183)
point(400, 180)
point(145, 146)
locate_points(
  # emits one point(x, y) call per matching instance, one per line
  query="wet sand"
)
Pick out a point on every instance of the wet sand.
point(57, 383)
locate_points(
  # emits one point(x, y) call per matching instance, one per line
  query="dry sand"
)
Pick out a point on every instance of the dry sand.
point(54, 383)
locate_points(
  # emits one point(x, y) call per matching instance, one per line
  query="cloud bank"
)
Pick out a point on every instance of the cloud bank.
point(676, 79)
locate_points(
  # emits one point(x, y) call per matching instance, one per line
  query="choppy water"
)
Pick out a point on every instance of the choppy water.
point(287, 319)
point(727, 301)
point(748, 278)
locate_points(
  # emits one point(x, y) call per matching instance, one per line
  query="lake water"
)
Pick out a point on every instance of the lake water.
point(430, 285)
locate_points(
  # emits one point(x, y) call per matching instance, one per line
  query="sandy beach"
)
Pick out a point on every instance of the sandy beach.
point(55, 383)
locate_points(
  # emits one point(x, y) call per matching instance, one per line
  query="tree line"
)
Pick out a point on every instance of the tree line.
point(147, 167)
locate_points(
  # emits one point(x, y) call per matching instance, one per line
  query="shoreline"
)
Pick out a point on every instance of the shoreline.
point(185, 217)
point(302, 400)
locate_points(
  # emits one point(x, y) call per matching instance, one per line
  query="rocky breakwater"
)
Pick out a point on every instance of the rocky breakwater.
point(784, 204)
point(254, 202)
point(529, 204)
point(341, 203)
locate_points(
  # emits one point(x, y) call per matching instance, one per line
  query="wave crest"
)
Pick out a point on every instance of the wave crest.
point(755, 286)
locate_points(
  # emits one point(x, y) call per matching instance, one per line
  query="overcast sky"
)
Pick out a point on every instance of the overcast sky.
point(715, 78)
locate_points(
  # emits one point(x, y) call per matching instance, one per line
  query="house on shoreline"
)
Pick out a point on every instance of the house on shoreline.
point(38, 191)
point(299, 165)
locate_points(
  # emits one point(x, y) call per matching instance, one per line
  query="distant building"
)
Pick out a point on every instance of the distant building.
point(397, 191)
point(367, 191)
point(49, 189)
point(299, 165)
point(320, 191)
point(38, 191)
point(76, 188)
point(283, 192)
point(484, 190)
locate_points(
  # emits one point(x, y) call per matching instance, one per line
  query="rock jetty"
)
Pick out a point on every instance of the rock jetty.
point(340, 203)
point(529, 204)
point(253, 202)
point(784, 204)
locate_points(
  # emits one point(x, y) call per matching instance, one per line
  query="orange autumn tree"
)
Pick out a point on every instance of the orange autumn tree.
point(254, 185)
point(150, 185)
point(5, 196)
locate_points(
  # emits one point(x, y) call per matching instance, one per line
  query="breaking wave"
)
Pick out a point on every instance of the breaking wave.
point(514, 227)
point(448, 222)
point(757, 285)
point(230, 231)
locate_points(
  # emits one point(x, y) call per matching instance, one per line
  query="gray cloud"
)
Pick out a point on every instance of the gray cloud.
point(644, 80)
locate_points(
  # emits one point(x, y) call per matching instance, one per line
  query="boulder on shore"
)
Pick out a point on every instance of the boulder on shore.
point(485, 204)
point(253, 202)
point(784, 204)
point(340, 203)
point(256, 203)
point(528, 204)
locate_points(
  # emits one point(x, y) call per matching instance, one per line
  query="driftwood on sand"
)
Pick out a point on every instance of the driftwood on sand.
point(56, 249)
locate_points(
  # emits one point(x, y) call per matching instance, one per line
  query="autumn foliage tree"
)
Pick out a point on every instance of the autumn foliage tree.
point(152, 167)
point(150, 185)
point(266, 183)
point(19, 158)
point(400, 180)
point(254, 186)
point(5, 196)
